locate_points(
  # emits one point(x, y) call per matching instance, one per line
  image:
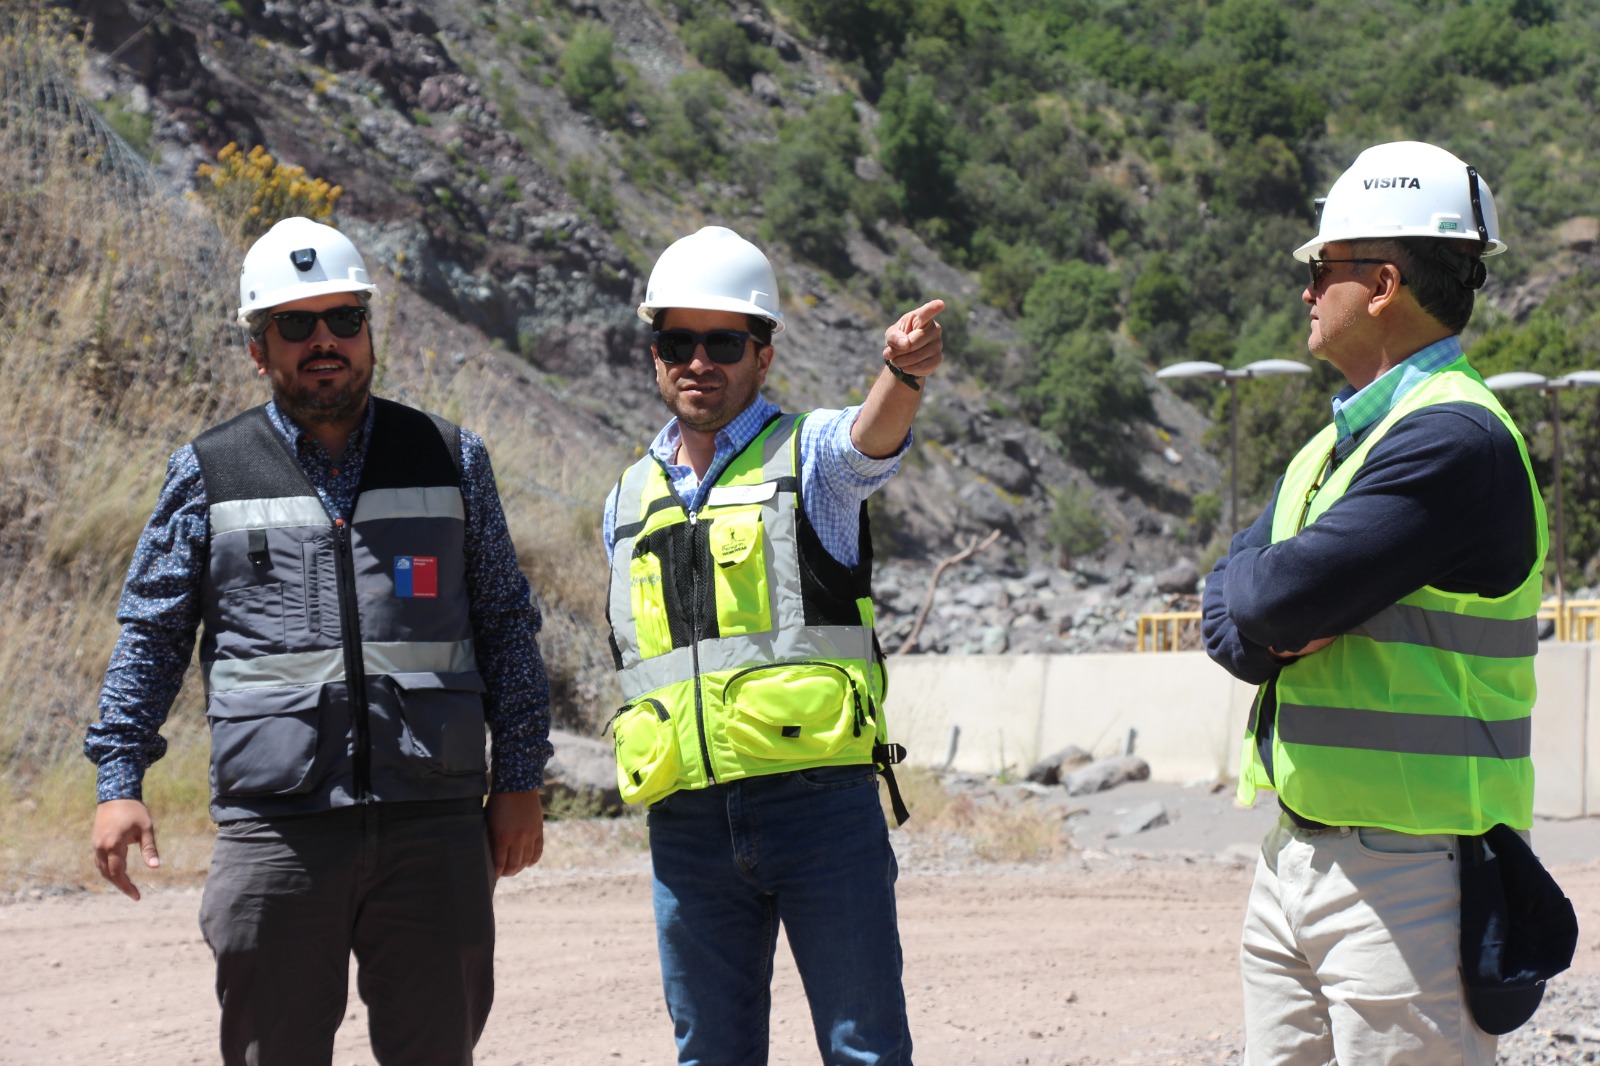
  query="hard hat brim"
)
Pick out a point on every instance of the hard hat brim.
point(304, 291)
point(705, 302)
point(1313, 248)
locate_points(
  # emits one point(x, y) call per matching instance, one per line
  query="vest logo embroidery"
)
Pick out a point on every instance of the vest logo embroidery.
point(416, 576)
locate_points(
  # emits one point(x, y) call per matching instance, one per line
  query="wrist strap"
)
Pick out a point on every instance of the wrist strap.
point(910, 381)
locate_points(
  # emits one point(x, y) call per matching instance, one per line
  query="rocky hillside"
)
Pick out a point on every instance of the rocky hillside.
point(458, 156)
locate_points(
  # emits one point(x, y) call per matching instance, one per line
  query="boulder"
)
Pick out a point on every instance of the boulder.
point(1145, 816)
point(1580, 233)
point(1107, 773)
point(582, 774)
point(1181, 577)
point(1048, 771)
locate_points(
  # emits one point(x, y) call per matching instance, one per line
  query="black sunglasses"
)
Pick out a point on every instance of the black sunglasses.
point(296, 326)
point(1318, 269)
point(676, 346)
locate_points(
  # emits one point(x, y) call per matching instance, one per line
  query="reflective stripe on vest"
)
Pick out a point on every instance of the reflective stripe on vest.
point(327, 665)
point(723, 676)
point(1417, 720)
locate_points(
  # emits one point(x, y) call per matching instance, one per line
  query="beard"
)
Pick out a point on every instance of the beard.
point(710, 415)
point(321, 404)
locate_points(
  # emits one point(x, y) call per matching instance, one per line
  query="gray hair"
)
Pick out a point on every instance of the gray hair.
point(257, 321)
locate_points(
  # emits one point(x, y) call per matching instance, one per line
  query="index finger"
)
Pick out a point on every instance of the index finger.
point(924, 315)
point(114, 868)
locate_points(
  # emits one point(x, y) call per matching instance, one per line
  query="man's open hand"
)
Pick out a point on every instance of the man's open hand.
point(117, 825)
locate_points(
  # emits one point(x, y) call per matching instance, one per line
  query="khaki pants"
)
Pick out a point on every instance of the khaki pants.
point(1351, 952)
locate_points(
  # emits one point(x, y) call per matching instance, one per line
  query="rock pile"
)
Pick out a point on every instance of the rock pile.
point(1044, 610)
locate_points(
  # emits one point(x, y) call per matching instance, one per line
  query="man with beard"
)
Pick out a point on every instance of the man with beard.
point(1386, 604)
point(742, 626)
point(364, 622)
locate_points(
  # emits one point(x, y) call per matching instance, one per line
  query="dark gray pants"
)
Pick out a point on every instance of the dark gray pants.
point(406, 886)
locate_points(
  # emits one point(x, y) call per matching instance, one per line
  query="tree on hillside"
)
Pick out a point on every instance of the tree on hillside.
point(809, 197)
point(918, 142)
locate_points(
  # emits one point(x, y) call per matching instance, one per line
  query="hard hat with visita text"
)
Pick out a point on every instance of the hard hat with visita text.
point(1407, 189)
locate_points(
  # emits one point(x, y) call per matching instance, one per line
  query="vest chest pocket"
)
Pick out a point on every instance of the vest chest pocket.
point(441, 721)
point(264, 741)
point(250, 622)
point(739, 572)
point(804, 710)
point(649, 598)
point(647, 751)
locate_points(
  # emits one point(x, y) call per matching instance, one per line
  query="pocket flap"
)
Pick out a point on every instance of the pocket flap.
point(264, 702)
point(734, 537)
point(455, 681)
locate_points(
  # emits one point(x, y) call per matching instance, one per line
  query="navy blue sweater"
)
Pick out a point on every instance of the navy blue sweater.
point(1442, 499)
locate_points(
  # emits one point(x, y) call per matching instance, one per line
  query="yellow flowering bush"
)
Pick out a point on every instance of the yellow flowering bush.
point(248, 191)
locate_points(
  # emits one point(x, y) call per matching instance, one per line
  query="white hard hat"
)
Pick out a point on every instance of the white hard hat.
point(297, 258)
point(713, 269)
point(1407, 189)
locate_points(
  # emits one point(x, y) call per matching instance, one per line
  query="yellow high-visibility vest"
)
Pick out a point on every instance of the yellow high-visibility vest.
point(1419, 719)
point(740, 652)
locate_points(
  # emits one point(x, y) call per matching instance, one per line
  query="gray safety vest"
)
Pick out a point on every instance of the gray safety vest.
point(338, 656)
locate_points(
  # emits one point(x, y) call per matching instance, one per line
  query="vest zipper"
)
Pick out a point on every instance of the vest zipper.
point(694, 640)
point(354, 668)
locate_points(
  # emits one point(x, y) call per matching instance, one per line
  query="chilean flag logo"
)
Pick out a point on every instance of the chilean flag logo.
point(416, 576)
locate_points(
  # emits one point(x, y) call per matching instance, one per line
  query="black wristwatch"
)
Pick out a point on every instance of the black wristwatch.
point(910, 381)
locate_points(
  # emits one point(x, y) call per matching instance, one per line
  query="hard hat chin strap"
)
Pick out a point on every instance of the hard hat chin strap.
point(1477, 207)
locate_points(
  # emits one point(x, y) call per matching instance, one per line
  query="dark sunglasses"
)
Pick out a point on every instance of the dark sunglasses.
point(298, 325)
point(676, 346)
point(1318, 269)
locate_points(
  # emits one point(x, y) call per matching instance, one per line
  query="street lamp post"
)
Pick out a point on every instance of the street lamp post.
point(1259, 369)
point(1551, 387)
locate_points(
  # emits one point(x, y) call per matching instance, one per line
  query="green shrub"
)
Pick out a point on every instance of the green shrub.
point(918, 143)
point(1088, 396)
point(589, 76)
point(809, 198)
point(1070, 297)
point(1074, 529)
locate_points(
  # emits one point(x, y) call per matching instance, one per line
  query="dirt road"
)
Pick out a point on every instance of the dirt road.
point(1104, 959)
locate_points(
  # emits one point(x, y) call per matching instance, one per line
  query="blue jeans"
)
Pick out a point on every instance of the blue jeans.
point(809, 849)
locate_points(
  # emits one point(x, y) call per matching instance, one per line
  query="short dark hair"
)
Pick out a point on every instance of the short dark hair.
point(758, 326)
point(1439, 271)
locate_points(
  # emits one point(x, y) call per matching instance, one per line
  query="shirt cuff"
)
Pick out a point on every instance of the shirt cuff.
point(519, 771)
point(119, 777)
point(865, 466)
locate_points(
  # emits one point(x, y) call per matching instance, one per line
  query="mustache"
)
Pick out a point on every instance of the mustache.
point(323, 357)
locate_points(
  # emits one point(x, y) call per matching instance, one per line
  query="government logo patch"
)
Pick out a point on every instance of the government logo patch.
point(416, 576)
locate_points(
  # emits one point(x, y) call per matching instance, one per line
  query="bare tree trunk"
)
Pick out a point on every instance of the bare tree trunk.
point(973, 547)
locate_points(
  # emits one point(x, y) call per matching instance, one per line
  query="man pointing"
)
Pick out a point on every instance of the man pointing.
point(742, 624)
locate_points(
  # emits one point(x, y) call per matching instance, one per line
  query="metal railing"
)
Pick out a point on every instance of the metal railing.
point(1169, 631)
point(1576, 620)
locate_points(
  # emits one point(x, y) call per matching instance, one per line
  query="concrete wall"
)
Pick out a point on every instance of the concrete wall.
point(1188, 712)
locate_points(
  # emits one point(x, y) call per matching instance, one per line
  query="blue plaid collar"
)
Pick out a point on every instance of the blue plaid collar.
point(731, 440)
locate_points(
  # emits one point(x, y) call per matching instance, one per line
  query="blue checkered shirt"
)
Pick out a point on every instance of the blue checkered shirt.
point(160, 611)
point(834, 477)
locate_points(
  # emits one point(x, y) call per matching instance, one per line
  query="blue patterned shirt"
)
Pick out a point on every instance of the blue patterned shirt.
point(834, 476)
point(160, 612)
